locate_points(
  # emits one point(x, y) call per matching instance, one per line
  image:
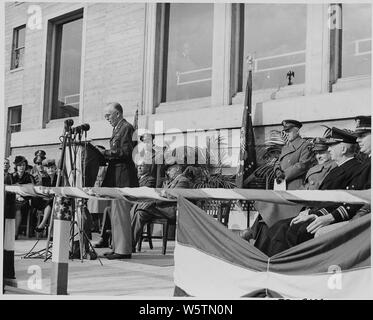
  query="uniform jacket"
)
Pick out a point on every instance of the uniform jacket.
point(295, 159)
point(316, 175)
point(362, 180)
point(41, 177)
point(179, 182)
point(147, 180)
point(341, 177)
point(121, 171)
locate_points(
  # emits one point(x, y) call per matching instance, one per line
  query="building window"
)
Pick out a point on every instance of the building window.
point(14, 125)
point(275, 36)
point(64, 65)
point(18, 48)
point(14, 119)
point(356, 39)
point(187, 58)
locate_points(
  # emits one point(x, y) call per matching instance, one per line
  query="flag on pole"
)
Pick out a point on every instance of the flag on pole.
point(247, 164)
point(136, 120)
point(135, 137)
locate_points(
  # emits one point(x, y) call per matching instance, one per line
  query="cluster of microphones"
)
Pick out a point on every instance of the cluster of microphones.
point(75, 130)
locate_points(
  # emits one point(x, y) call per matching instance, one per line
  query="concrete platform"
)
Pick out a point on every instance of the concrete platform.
point(149, 274)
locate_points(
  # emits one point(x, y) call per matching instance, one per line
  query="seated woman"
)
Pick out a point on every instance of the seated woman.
point(20, 176)
point(46, 204)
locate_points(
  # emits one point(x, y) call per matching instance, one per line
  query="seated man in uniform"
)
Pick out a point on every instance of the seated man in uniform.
point(290, 232)
point(295, 158)
point(149, 210)
point(362, 180)
point(316, 174)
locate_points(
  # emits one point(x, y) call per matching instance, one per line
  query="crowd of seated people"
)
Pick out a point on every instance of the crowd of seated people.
point(43, 173)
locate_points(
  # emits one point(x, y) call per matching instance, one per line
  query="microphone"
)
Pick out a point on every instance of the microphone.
point(80, 129)
point(68, 124)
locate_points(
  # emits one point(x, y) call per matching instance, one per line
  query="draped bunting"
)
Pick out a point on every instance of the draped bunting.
point(213, 262)
point(291, 197)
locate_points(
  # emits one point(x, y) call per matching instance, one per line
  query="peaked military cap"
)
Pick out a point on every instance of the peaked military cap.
point(339, 135)
point(39, 156)
point(40, 153)
point(288, 124)
point(363, 124)
point(320, 144)
point(49, 163)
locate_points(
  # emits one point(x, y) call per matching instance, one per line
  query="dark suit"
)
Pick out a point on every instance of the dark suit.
point(149, 210)
point(121, 172)
point(362, 180)
point(295, 160)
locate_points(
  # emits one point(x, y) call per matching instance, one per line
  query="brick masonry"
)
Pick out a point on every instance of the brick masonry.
point(113, 61)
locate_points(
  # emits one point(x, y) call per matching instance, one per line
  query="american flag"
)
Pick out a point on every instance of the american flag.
point(247, 164)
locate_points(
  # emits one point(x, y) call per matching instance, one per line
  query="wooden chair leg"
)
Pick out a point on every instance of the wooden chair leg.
point(28, 223)
point(149, 235)
point(165, 236)
point(139, 244)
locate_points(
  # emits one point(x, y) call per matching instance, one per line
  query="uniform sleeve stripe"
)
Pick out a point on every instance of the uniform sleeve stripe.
point(324, 211)
point(343, 212)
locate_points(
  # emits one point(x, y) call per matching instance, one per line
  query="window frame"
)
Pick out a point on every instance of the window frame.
point(16, 48)
point(9, 127)
point(52, 62)
point(238, 62)
point(161, 60)
point(337, 81)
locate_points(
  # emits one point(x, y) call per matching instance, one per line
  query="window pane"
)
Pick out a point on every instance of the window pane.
point(18, 47)
point(275, 34)
point(357, 39)
point(15, 115)
point(21, 37)
point(189, 51)
point(68, 76)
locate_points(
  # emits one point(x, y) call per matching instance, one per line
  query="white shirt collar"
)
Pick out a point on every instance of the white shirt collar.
point(348, 159)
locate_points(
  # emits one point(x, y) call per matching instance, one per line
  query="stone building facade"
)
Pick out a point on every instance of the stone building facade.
point(183, 67)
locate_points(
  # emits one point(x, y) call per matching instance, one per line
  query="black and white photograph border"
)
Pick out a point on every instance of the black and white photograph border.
point(186, 150)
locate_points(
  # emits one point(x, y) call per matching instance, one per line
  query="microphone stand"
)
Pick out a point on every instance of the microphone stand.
point(60, 171)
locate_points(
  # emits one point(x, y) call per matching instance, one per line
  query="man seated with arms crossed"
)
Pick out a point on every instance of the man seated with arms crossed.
point(342, 151)
point(147, 211)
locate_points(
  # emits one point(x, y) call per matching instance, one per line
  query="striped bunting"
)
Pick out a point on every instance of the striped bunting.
point(213, 262)
point(290, 197)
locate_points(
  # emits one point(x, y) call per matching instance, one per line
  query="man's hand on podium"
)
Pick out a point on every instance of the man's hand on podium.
point(101, 149)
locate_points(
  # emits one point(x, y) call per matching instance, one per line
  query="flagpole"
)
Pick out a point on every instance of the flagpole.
point(248, 163)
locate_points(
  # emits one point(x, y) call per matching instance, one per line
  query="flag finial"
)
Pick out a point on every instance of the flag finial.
point(250, 61)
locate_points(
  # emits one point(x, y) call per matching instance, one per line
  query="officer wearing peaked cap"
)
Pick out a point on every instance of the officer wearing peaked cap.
point(287, 233)
point(317, 173)
point(363, 138)
point(295, 158)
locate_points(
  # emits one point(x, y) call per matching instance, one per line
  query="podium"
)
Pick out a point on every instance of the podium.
point(91, 160)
